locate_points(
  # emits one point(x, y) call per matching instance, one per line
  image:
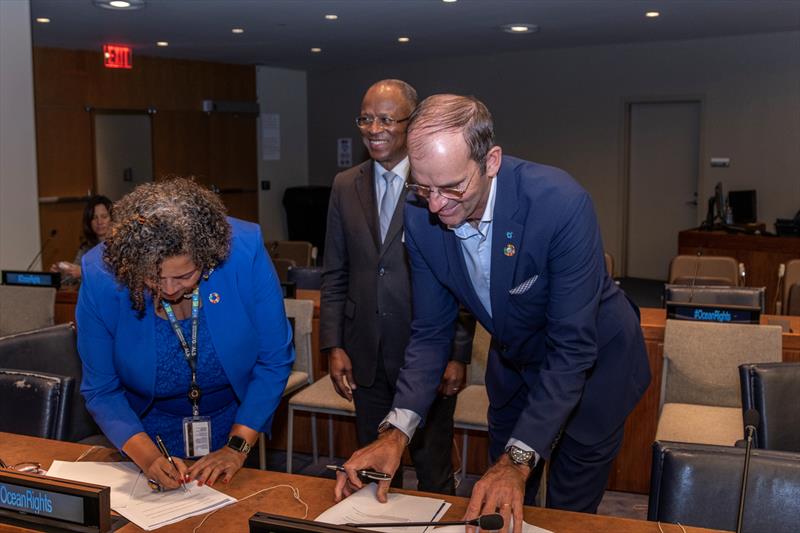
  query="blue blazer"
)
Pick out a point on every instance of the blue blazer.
point(248, 326)
point(572, 337)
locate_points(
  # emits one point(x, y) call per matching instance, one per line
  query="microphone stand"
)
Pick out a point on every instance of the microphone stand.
point(751, 421)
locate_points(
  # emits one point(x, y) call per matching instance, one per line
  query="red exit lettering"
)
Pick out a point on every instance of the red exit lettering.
point(115, 56)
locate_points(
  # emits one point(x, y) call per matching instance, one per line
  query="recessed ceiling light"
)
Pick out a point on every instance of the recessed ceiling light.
point(316, 50)
point(162, 43)
point(237, 30)
point(43, 20)
point(520, 28)
point(652, 14)
point(119, 4)
point(331, 16)
point(403, 39)
point(449, 1)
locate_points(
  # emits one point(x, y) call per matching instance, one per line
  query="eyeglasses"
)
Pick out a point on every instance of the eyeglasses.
point(365, 121)
point(451, 193)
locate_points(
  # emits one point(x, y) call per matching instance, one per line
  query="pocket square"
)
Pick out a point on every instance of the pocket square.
point(524, 287)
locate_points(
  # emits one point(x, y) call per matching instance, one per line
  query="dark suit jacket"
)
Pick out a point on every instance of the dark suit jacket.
point(573, 337)
point(366, 289)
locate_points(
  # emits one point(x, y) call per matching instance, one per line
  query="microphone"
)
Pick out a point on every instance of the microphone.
point(53, 233)
point(751, 419)
point(696, 272)
point(487, 521)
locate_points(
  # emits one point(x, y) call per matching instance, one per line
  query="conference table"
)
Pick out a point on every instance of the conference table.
point(316, 492)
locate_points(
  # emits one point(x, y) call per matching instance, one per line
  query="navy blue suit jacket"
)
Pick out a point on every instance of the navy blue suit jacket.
point(243, 306)
point(572, 337)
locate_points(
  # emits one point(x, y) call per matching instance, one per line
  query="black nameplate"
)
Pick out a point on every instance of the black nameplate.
point(713, 313)
point(270, 523)
point(31, 279)
point(52, 502)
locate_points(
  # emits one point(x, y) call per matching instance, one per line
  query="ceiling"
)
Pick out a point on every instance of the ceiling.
point(282, 32)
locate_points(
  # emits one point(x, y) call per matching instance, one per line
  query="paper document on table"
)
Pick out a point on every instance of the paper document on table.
point(362, 507)
point(526, 528)
point(132, 497)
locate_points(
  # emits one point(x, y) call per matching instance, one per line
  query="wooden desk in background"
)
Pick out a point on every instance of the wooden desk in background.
point(760, 254)
point(316, 492)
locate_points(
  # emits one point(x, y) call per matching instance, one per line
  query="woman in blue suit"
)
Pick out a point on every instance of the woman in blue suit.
point(182, 333)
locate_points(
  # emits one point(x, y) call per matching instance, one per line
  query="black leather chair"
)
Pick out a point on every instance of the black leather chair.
point(33, 403)
point(698, 485)
point(306, 277)
point(53, 350)
point(772, 390)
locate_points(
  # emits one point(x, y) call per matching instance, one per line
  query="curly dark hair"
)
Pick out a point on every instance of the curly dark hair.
point(161, 220)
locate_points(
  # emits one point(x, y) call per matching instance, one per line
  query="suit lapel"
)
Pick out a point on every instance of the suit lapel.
point(365, 188)
point(506, 238)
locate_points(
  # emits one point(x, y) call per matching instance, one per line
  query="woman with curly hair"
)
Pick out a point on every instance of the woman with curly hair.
point(182, 333)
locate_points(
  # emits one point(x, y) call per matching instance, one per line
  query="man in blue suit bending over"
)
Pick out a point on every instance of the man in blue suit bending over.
point(518, 244)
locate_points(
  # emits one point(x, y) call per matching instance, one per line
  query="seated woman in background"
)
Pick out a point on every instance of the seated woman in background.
point(181, 326)
point(96, 223)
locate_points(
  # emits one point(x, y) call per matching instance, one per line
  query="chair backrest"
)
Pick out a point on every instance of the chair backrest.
point(480, 353)
point(33, 403)
point(26, 308)
point(609, 263)
point(301, 252)
point(771, 389)
point(302, 311)
point(792, 303)
point(306, 277)
point(701, 359)
point(698, 485)
point(704, 270)
point(791, 277)
point(52, 350)
point(282, 267)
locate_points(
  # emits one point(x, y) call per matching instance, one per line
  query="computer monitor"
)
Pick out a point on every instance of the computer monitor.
point(743, 205)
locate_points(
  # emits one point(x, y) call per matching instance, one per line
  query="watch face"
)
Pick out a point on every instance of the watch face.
point(238, 444)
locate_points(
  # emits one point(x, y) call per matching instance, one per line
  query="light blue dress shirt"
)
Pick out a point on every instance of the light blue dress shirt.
point(401, 169)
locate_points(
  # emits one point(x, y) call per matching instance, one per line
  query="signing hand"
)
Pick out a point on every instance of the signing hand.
point(382, 455)
point(341, 370)
point(224, 462)
point(453, 379)
point(164, 473)
point(501, 489)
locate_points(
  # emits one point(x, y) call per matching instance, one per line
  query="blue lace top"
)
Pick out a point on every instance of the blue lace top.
point(173, 376)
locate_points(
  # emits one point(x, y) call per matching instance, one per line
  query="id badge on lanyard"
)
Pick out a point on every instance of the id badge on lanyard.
point(196, 428)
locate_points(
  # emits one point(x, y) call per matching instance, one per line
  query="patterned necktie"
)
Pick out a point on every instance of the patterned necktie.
point(388, 202)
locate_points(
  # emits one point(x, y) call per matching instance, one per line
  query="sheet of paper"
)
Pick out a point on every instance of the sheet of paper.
point(526, 528)
point(362, 507)
point(132, 497)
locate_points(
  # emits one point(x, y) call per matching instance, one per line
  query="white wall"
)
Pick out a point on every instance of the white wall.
point(565, 108)
point(19, 209)
point(282, 91)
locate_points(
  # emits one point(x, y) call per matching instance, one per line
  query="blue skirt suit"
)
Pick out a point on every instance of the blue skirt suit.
point(135, 376)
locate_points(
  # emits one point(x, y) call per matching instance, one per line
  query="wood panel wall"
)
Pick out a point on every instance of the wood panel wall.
point(218, 149)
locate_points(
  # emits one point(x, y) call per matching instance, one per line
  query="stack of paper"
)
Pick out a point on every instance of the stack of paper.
point(363, 508)
point(132, 497)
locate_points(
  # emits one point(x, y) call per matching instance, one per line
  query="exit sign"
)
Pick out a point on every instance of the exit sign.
point(115, 56)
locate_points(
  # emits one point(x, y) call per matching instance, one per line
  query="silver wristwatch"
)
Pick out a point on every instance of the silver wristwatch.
point(519, 456)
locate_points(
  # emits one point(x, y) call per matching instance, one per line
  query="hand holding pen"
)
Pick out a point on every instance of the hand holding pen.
point(174, 471)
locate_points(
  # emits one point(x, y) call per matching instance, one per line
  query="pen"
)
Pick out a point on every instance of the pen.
point(368, 474)
point(165, 453)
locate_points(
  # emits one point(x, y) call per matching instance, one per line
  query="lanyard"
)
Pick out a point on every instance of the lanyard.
point(190, 354)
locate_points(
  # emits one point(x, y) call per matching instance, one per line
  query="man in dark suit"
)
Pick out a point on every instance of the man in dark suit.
point(365, 311)
point(518, 244)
